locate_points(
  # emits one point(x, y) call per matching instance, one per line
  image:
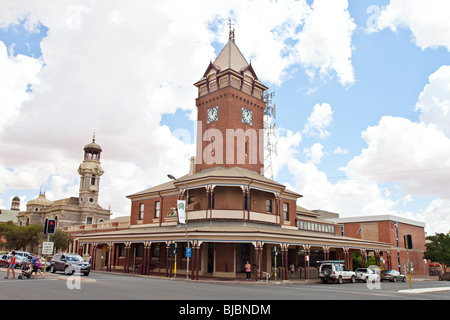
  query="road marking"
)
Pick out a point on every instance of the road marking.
point(425, 290)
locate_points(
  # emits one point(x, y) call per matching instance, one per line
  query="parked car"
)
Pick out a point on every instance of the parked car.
point(334, 270)
point(21, 258)
point(4, 260)
point(445, 276)
point(69, 263)
point(365, 274)
point(392, 275)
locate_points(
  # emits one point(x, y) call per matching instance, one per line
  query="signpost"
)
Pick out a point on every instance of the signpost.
point(47, 248)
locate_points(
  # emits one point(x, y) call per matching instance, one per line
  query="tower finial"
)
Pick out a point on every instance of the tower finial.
point(231, 31)
point(93, 137)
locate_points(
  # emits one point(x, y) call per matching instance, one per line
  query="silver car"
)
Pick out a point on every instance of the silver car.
point(70, 263)
point(392, 275)
point(365, 275)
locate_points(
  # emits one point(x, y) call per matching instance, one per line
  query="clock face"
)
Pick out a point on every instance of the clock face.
point(247, 116)
point(213, 114)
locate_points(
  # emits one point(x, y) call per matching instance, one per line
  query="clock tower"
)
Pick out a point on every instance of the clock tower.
point(90, 172)
point(230, 103)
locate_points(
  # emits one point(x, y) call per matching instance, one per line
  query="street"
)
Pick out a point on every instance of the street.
point(103, 286)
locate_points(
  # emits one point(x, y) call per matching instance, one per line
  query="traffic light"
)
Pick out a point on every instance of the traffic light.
point(50, 226)
point(408, 241)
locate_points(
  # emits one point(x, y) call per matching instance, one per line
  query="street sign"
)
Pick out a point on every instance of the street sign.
point(188, 252)
point(47, 247)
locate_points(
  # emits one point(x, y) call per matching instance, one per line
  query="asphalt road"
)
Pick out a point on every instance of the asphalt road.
point(103, 286)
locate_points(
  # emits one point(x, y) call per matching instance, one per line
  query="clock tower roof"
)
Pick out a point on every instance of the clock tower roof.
point(231, 58)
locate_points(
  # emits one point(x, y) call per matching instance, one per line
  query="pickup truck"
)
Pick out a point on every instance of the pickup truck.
point(334, 270)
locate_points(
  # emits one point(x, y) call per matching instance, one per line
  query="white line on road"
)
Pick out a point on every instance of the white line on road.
point(424, 290)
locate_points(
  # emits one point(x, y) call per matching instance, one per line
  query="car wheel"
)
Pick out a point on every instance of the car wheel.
point(340, 280)
point(394, 279)
point(404, 279)
point(85, 274)
point(353, 279)
point(327, 272)
point(66, 271)
point(52, 268)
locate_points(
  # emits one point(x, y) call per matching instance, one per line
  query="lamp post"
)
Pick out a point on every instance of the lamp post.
point(186, 222)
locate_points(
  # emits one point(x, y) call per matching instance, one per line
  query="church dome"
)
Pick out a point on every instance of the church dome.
point(40, 201)
point(92, 146)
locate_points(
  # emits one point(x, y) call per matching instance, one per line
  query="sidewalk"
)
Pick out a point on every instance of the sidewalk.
point(210, 279)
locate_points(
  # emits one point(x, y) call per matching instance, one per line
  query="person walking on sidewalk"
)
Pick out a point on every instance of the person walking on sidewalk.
point(248, 270)
point(11, 265)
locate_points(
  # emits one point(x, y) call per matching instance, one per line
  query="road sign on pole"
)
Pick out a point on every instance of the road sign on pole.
point(188, 252)
point(47, 247)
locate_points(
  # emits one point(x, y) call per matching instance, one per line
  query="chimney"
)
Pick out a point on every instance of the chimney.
point(192, 166)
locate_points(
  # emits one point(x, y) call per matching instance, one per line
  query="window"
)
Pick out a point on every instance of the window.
point(93, 180)
point(269, 205)
point(89, 220)
point(157, 209)
point(141, 211)
point(285, 211)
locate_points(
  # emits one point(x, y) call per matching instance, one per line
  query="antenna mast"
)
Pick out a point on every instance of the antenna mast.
point(270, 133)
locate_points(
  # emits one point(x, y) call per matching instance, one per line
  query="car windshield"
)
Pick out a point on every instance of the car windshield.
point(75, 258)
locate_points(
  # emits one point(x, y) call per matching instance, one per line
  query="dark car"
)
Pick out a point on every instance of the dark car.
point(69, 263)
point(445, 276)
point(392, 275)
point(4, 260)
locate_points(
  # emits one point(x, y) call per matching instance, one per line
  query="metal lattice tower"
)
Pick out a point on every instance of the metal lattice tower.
point(269, 133)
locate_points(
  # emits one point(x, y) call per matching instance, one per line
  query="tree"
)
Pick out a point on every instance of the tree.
point(438, 249)
point(19, 237)
point(61, 240)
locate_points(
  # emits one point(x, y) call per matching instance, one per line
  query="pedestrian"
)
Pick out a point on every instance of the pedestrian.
point(39, 266)
point(248, 270)
point(11, 265)
point(34, 263)
point(292, 269)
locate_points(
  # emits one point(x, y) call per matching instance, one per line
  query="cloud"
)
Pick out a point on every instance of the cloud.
point(116, 67)
point(427, 20)
point(319, 120)
point(18, 75)
point(339, 150)
point(437, 216)
point(314, 153)
point(414, 154)
point(325, 43)
point(434, 100)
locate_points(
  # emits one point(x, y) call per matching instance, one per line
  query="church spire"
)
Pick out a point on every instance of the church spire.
point(231, 31)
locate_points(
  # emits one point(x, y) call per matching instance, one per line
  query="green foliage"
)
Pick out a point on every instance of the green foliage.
point(20, 237)
point(438, 249)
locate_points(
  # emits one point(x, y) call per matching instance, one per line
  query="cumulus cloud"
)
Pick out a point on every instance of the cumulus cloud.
point(116, 67)
point(427, 20)
point(18, 75)
point(414, 154)
point(325, 44)
point(434, 100)
point(319, 120)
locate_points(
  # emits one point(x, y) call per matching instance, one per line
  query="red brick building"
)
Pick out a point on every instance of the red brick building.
point(235, 214)
point(391, 229)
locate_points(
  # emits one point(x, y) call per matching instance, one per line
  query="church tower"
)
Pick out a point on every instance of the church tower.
point(90, 172)
point(15, 203)
point(230, 103)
